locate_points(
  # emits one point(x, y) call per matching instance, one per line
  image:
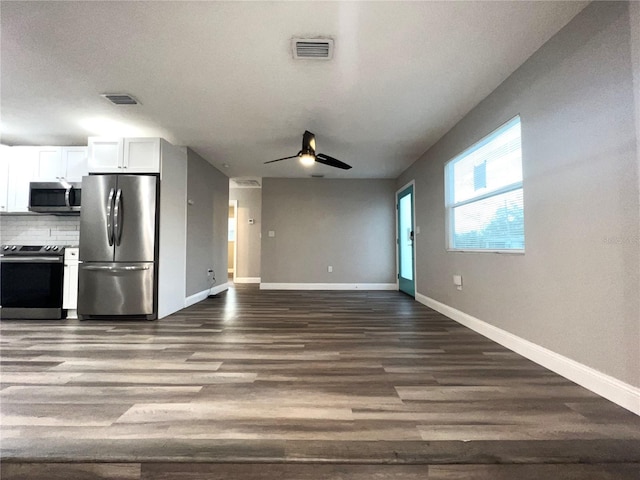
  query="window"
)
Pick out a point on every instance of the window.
point(483, 189)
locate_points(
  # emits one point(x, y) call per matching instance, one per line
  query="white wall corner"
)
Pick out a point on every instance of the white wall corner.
point(619, 392)
point(328, 286)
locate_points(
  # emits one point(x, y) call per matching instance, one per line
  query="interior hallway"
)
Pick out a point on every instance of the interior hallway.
point(361, 382)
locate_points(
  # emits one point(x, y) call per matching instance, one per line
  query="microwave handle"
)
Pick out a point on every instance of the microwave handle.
point(67, 199)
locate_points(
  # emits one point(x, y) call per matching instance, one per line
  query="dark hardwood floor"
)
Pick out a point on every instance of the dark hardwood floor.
point(296, 385)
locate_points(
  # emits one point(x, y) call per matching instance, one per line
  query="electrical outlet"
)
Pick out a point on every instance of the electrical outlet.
point(330, 269)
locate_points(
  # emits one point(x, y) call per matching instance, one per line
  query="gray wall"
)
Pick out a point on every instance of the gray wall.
point(348, 224)
point(207, 223)
point(248, 236)
point(576, 289)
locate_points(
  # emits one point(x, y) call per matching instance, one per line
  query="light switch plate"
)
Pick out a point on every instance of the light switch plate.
point(272, 233)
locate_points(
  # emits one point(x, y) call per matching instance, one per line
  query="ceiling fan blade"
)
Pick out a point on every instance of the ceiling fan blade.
point(308, 142)
point(332, 162)
point(284, 158)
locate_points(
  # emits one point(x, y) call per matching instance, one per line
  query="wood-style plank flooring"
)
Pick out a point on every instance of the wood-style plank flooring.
point(280, 384)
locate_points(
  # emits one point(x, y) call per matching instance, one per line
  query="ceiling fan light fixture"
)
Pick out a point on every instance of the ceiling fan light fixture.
point(307, 159)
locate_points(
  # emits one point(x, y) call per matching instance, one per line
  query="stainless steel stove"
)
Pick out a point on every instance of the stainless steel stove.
point(31, 281)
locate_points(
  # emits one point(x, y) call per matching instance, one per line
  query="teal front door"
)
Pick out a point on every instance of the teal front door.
point(406, 257)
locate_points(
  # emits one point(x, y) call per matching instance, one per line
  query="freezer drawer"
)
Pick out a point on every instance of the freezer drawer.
point(116, 289)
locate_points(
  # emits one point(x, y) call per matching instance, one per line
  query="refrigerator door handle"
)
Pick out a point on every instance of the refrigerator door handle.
point(110, 217)
point(117, 221)
point(128, 268)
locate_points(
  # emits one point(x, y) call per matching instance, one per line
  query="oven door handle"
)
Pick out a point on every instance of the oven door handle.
point(129, 268)
point(34, 259)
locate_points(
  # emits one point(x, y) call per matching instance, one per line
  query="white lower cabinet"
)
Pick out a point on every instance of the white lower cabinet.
point(70, 285)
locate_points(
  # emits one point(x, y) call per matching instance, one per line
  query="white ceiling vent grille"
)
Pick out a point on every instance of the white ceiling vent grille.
point(312, 48)
point(245, 183)
point(120, 98)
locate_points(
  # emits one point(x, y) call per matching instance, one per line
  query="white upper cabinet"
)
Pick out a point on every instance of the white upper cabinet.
point(49, 162)
point(4, 177)
point(23, 168)
point(21, 165)
point(124, 155)
point(106, 154)
point(142, 155)
point(74, 163)
point(57, 163)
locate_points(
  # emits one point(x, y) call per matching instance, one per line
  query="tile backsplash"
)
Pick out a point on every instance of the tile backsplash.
point(39, 229)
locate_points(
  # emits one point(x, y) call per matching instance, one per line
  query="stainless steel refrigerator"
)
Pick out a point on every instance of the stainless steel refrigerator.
point(118, 247)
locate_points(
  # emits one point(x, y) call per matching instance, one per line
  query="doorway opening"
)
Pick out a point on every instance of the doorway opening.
point(232, 241)
point(405, 254)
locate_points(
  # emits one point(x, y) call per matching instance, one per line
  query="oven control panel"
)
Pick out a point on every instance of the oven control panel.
point(31, 249)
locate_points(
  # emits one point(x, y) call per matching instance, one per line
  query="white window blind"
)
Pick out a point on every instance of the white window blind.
point(485, 208)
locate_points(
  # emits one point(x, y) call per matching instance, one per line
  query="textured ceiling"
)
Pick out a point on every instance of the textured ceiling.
point(220, 77)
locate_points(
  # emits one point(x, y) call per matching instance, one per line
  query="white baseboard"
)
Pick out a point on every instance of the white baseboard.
point(218, 288)
point(246, 280)
point(195, 298)
point(328, 286)
point(619, 392)
point(198, 297)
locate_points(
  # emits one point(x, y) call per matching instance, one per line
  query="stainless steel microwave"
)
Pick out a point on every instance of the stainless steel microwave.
point(55, 197)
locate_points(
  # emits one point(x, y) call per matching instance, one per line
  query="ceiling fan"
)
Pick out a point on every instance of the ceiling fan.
point(308, 154)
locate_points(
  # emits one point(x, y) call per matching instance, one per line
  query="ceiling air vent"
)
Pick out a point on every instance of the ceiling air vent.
point(246, 183)
point(312, 48)
point(120, 98)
